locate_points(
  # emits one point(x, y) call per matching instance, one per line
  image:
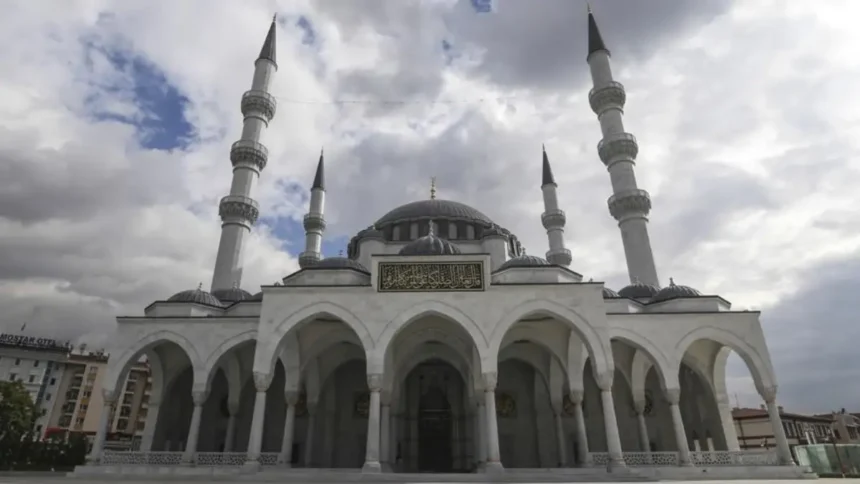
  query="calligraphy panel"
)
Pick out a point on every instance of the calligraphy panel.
point(430, 276)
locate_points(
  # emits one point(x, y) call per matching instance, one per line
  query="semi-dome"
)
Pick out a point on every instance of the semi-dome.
point(433, 209)
point(338, 263)
point(197, 296)
point(639, 290)
point(674, 291)
point(609, 293)
point(234, 294)
point(524, 261)
point(430, 244)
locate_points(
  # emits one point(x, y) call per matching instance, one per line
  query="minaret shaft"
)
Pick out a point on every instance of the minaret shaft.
point(314, 221)
point(553, 218)
point(238, 211)
point(629, 205)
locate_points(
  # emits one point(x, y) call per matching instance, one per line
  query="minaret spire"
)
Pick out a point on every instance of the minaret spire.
point(238, 211)
point(553, 218)
point(629, 204)
point(314, 221)
point(269, 50)
point(433, 188)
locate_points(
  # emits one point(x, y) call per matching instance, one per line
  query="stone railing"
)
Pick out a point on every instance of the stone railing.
point(729, 458)
point(269, 459)
point(127, 458)
point(219, 459)
point(718, 458)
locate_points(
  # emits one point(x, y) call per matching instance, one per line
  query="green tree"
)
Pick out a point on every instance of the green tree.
point(17, 414)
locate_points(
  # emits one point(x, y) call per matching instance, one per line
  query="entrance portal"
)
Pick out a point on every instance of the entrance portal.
point(435, 431)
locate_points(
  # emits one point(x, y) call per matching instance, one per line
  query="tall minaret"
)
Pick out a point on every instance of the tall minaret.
point(629, 205)
point(553, 218)
point(238, 210)
point(315, 221)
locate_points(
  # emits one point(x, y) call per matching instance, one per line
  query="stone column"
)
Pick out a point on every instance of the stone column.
point(199, 397)
point(562, 440)
point(783, 451)
point(644, 440)
point(494, 458)
point(371, 459)
point(385, 432)
point(109, 399)
point(727, 422)
point(481, 434)
point(309, 436)
point(255, 440)
point(582, 455)
point(149, 426)
point(233, 408)
point(673, 397)
point(610, 423)
point(393, 437)
point(285, 458)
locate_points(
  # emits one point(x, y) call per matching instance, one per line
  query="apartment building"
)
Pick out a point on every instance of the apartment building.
point(754, 430)
point(38, 363)
point(80, 404)
point(846, 426)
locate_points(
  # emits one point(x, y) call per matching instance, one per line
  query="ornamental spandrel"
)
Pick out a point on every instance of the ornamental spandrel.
point(430, 276)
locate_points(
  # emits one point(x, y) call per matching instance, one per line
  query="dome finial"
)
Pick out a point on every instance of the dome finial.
point(340, 253)
point(431, 231)
point(235, 284)
point(588, 6)
point(635, 280)
point(432, 188)
point(200, 286)
point(672, 281)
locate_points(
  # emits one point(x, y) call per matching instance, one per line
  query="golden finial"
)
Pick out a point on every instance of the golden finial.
point(200, 286)
point(433, 188)
point(588, 5)
point(671, 281)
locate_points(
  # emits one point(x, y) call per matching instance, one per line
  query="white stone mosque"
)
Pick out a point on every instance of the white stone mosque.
point(437, 346)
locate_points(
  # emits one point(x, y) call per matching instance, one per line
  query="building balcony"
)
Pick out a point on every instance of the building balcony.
point(250, 154)
point(259, 103)
point(629, 203)
point(608, 96)
point(617, 146)
point(239, 209)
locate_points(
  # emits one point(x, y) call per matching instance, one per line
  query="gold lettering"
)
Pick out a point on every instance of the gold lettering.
point(430, 276)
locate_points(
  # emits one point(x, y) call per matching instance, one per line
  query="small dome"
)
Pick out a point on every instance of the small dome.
point(494, 231)
point(430, 244)
point(338, 263)
point(234, 294)
point(609, 293)
point(674, 291)
point(639, 290)
point(525, 261)
point(197, 296)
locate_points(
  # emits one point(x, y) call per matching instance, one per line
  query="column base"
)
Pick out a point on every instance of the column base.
point(386, 467)
point(371, 468)
point(494, 468)
point(252, 465)
point(616, 464)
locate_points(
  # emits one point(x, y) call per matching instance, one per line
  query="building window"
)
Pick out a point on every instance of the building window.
point(38, 429)
point(470, 232)
point(452, 231)
point(44, 411)
point(47, 397)
point(395, 233)
point(140, 426)
point(31, 379)
point(121, 424)
point(12, 376)
point(17, 361)
point(36, 364)
point(53, 381)
point(413, 231)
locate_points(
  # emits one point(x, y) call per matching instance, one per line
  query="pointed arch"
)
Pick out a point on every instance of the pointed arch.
point(268, 342)
point(646, 348)
point(118, 367)
point(756, 363)
point(597, 346)
point(214, 359)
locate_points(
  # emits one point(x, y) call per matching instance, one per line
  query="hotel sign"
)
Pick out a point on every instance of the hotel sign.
point(33, 342)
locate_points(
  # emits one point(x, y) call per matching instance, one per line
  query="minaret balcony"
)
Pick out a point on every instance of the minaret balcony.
point(610, 95)
point(617, 146)
point(561, 257)
point(239, 209)
point(314, 222)
point(250, 154)
point(629, 203)
point(259, 103)
point(553, 219)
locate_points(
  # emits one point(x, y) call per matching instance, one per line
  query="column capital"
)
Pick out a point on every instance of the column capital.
point(109, 396)
point(374, 382)
point(490, 379)
point(604, 380)
point(291, 397)
point(233, 407)
point(577, 396)
point(673, 395)
point(262, 381)
point(199, 397)
point(768, 393)
point(639, 406)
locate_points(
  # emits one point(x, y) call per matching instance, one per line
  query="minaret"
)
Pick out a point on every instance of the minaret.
point(238, 210)
point(315, 221)
point(629, 205)
point(553, 218)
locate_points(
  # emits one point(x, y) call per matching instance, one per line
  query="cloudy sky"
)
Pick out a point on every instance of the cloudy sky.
point(116, 118)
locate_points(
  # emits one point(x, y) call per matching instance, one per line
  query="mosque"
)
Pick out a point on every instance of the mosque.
point(436, 345)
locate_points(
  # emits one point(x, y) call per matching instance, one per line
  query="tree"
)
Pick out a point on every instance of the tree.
point(17, 412)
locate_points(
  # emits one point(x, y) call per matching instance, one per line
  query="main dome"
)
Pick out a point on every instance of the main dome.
point(433, 209)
